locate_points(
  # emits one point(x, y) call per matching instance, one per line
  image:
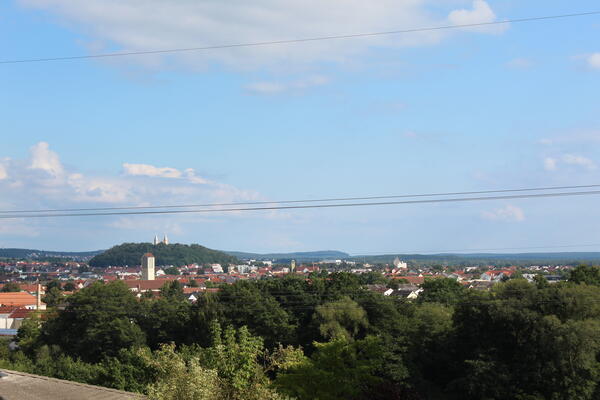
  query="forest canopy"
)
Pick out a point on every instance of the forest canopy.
point(171, 254)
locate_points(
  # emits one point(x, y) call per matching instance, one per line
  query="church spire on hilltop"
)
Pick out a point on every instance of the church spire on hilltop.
point(156, 242)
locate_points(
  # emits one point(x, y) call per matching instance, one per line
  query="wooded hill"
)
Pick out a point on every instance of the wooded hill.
point(172, 254)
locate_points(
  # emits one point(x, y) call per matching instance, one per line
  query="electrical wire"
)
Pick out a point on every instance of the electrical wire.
point(536, 189)
point(301, 40)
point(338, 205)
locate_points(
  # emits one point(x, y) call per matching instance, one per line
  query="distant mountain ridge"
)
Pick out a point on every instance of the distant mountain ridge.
point(488, 258)
point(179, 254)
point(43, 254)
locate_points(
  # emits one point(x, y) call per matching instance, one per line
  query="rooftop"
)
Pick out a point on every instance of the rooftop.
point(17, 299)
point(21, 386)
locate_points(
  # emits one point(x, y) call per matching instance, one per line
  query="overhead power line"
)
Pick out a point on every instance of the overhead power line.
point(301, 40)
point(172, 206)
point(336, 205)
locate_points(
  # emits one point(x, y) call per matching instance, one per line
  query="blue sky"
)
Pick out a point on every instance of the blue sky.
point(487, 108)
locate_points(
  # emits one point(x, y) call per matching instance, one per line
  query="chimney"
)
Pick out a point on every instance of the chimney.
point(38, 297)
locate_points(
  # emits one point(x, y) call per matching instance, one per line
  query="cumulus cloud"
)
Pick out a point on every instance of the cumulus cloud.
point(42, 158)
point(271, 88)
point(163, 172)
point(150, 170)
point(574, 159)
point(519, 63)
point(593, 61)
point(550, 164)
point(25, 183)
point(508, 213)
point(135, 25)
point(480, 13)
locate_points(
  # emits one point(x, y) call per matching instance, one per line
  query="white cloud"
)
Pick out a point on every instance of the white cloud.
point(42, 158)
point(141, 184)
point(550, 164)
point(135, 25)
point(192, 177)
point(573, 159)
point(519, 63)
point(481, 13)
point(507, 213)
point(271, 88)
point(3, 172)
point(163, 172)
point(593, 61)
point(150, 170)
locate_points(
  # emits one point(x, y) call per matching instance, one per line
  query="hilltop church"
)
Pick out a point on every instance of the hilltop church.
point(164, 241)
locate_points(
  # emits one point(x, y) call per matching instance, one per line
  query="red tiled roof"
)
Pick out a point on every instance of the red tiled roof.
point(17, 299)
point(20, 313)
point(7, 309)
point(416, 280)
point(146, 285)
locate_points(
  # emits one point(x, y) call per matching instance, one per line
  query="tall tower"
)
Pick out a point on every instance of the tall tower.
point(166, 239)
point(293, 266)
point(148, 267)
point(155, 240)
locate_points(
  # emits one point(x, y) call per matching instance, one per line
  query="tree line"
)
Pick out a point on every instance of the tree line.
point(326, 337)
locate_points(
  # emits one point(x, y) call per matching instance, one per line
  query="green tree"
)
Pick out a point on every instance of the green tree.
point(244, 304)
point(235, 354)
point(585, 274)
point(510, 348)
point(11, 287)
point(337, 370)
point(172, 290)
point(53, 297)
point(179, 379)
point(98, 321)
point(372, 278)
point(441, 290)
point(342, 319)
point(164, 320)
point(172, 271)
point(53, 284)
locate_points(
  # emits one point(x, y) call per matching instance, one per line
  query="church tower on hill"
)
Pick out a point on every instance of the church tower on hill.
point(156, 242)
point(148, 267)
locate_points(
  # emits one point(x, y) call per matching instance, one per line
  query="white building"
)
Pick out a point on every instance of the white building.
point(148, 267)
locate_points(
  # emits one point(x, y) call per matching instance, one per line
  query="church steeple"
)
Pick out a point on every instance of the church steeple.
point(155, 240)
point(166, 239)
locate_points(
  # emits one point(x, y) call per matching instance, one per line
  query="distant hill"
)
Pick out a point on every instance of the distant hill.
point(172, 254)
point(30, 254)
point(306, 256)
point(567, 258)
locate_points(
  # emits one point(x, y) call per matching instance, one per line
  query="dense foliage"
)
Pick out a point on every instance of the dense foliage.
point(172, 254)
point(326, 338)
